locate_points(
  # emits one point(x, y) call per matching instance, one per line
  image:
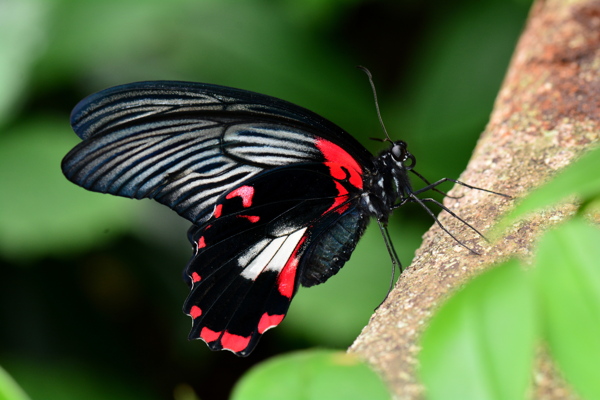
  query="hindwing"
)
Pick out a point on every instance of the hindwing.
point(257, 247)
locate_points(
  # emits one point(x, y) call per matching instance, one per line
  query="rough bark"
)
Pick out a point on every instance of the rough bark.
point(546, 115)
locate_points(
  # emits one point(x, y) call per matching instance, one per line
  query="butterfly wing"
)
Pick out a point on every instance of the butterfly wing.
point(183, 144)
point(272, 189)
point(259, 245)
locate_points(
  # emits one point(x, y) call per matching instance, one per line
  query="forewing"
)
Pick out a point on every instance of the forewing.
point(184, 144)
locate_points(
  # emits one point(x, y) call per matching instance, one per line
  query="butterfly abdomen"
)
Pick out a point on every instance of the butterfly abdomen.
point(329, 249)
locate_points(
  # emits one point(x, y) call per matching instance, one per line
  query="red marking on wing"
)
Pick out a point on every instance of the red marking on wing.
point(196, 277)
point(336, 158)
point(209, 335)
point(201, 242)
point(286, 281)
point(287, 277)
point(269, 321)
point(233, 342)
point(218, 210)
point(195, 312)
point(343, 208)
point(245, 192)
point(339, 199)
point(251, 218)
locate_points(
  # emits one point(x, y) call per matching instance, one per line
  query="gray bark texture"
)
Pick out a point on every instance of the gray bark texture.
point(546, 115)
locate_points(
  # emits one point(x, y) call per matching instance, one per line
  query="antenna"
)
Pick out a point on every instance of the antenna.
point(366, 71)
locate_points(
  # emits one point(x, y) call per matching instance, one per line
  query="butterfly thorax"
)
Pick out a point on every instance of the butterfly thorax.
point(388, 182)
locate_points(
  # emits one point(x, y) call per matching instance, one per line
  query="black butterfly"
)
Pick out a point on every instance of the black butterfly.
point(278, 196)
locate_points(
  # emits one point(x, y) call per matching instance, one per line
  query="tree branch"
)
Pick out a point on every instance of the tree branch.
point(546, 115)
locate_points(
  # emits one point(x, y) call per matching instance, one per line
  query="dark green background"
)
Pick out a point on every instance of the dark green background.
point(91, 287)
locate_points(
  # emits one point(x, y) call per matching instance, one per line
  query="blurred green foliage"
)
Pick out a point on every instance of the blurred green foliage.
point(91, 287)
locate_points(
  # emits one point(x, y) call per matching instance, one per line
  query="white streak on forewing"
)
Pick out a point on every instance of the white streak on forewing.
point(249, 131)
point(194, 194)
point(272, 257)
point(176, 159)
point(269, 145)
point(133, 104)
point(218, 184)
point(206, 197)
point(273, 160)
point(112, 163)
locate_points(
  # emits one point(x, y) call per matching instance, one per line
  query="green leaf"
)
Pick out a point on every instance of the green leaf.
point(568, 277)
point(580, 178)
point(480, 344)
point(311, 375)
point(9, 389)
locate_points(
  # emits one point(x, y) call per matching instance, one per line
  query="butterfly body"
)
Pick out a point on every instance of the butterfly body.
point(277, 196)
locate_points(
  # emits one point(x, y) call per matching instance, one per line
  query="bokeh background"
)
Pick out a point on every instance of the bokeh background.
point(90, 285)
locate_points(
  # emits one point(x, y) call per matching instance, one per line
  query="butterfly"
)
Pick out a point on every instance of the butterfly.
point(277, 195)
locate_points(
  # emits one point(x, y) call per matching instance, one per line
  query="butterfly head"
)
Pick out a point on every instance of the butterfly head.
point(401, 155)
point(390, 184)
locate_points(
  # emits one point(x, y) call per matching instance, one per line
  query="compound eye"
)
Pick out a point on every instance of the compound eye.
point(399, 152)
